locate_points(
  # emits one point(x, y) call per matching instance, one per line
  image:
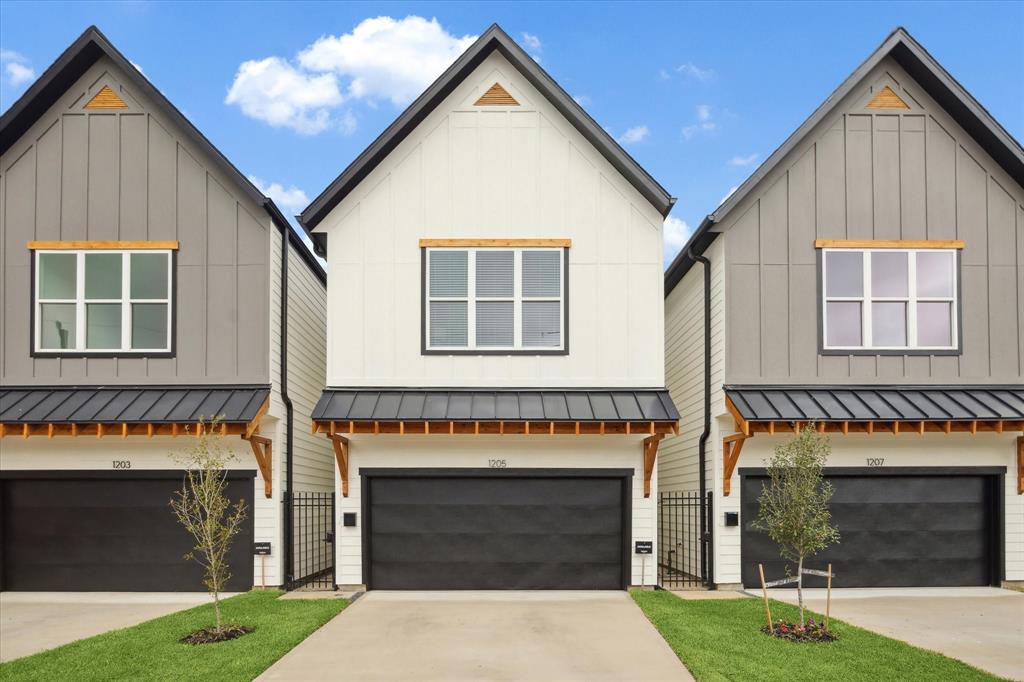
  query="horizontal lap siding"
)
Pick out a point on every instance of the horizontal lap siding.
point(871, 174)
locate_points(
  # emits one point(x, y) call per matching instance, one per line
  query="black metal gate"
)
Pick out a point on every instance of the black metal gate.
point(312, 516)
point(681, 549)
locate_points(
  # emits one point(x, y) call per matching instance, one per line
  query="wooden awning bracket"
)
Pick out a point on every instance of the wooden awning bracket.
point(1020, 465)
point(263, 451)
point(340, 444)
point(731, 447)
point(650, 457)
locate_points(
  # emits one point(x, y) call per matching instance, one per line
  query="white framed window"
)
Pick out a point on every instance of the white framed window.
point(493, 299)
point(99, 301)
point(890, 299)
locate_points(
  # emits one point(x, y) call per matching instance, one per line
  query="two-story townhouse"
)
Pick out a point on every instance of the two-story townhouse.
point(495, 387)
point(868, 279)
point(147, 286)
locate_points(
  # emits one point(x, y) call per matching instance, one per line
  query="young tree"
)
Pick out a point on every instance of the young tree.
point(794, 503)
point(204, 509)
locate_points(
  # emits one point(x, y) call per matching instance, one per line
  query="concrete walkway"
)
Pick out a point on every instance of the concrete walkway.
point(35, 621)
point(506, 636)
point(982, 626)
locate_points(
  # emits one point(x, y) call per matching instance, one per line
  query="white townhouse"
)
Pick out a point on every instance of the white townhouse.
point(495, 389)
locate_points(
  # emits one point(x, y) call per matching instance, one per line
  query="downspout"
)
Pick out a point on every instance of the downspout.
point(289, 553)
point(706, 534)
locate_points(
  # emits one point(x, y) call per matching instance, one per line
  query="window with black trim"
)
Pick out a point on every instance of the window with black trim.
point(103, 301)
point(890, 299)
point(495, 299)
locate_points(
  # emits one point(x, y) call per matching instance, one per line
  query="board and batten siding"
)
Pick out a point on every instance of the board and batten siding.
point(864, 174)
point(494, 172)
point(130, 174)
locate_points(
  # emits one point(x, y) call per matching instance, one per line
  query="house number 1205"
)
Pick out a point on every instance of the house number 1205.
point(496, 463)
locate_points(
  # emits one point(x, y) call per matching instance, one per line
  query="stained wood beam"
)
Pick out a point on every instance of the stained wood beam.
point(498, 243)
point(340, 444)
point(263, 451)
point(650, 445)
point(742, 425)
point(888, 244)
point(497, 427)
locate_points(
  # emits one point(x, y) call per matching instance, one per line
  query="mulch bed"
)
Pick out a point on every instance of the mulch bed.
point(211, 635)
point(811, 632)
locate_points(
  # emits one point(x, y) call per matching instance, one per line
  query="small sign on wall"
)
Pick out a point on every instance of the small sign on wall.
point(261, 548)
point(644, 547)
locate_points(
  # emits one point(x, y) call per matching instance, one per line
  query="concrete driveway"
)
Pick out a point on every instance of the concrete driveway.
point(484, 636)
point(35, 621)
point(982, 626)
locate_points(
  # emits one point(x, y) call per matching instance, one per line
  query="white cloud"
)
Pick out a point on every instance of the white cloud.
point(690, 70)
point(705, 122)
point(728, 194)
point(16, 68)
point(386, 58)
point(743, 160)
point(531, 41)
point(676, 233)
point(292, 199)
point(582, 100)
point(274, 91)
point(634, 134)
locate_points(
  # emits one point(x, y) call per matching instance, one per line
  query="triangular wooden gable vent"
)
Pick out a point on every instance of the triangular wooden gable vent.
point(497, 96)
point(106, 99)
point(887, 99)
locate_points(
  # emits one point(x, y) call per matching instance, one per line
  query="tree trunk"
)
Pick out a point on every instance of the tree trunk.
point(216, 608)
point(800, 588)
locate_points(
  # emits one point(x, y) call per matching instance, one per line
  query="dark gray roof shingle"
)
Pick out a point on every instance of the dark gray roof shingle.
point(130, 404)
point(494, 404)
point(878, 403)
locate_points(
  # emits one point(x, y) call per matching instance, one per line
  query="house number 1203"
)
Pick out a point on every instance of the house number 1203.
point(122, 464)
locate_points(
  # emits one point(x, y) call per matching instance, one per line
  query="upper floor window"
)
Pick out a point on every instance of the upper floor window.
point(493, 299)
point(103, 301)
point(890, 299)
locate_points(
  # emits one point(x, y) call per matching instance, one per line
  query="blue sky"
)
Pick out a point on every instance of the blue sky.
point(699, 93)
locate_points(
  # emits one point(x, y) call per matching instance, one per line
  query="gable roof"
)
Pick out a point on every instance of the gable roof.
point(494, 38)
point(968, 113)
point(85, 51)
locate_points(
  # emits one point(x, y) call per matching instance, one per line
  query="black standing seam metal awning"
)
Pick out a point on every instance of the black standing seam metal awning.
point(489, 404)
point(130, 404)
point(878, 403)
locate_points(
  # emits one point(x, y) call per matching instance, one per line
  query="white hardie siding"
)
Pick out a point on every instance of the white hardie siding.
point(592, 452)
point(492, 172)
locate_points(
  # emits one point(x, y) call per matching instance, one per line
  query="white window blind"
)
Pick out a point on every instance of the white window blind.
point(889, 299)
point(495, 299)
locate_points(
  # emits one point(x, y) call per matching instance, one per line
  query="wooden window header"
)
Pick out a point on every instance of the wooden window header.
point(495, 243)
point(112, 245)
point(888, 244)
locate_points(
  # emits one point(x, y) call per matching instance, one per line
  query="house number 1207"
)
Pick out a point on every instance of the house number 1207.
point(876, 461)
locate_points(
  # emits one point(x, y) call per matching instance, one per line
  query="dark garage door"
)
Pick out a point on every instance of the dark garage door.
point(106, 534)
point(897, 530)
point(516, 530)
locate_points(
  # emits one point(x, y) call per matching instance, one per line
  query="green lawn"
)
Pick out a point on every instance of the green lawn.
point(720, 640)
point(151, 650)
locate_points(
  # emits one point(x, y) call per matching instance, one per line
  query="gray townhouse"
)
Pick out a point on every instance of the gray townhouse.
point(147, 287)
point(868, 278)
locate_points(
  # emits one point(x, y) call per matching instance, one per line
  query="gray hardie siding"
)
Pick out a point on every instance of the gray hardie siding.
point(129, 175)
point(875, 174)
